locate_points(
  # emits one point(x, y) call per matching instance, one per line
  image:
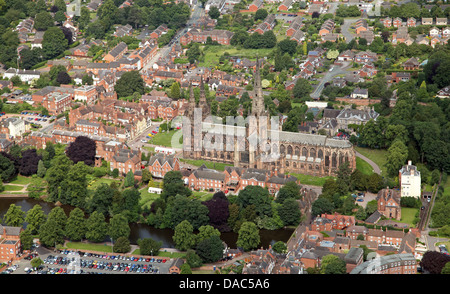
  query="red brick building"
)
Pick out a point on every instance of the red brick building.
point(10, 245)
point(160, 164)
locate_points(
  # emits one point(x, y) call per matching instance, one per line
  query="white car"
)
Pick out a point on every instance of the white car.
point(144, 141)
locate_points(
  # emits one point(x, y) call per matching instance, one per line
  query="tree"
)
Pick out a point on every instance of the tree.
point(96, 227)
point(173, 184)
point(82, 149)
point(175, 90)
point(279, 247)
point(248, 237)
point(129, 179)
point(122, 245)
point(76, 226)
point(214, 12)
point(29, 162)
point(321, 205)
point(433, 261)
point(183, 236)
point(14, 217)
point(129, 83)
point(26, 239)
point(43, 21)
point(302, 88)
point(260, 14)
point(131, 207)
point(192, 259)
point(60, 17)
point(332, 264)
point(257, 196)
point(7, 168)
point(218, 211)
point(54, 42)
point(35, 217)
point(118, 227)
point(149, 246)
point(210, 249)
point(183, 208)
point(396, 157)
point(41, 169)
point(52, 232)
point(290, 212)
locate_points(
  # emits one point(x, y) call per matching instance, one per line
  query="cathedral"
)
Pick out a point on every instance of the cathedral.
point(258, 141)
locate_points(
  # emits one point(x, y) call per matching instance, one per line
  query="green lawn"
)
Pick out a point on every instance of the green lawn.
point(21, 180)
point(12, 188)
point(376, 155)
point(202, 195)
point(209, 164)
point(311, 180)
point(363, 166)
point(147, 198)
point(99, 181)
point(164, 139)
point(89, 246)
point(408, 215)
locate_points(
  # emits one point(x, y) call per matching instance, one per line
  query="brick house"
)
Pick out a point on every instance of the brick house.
point(116, 53)
point(10, 246)
point(387, 22)
point(126, 160)
point(411, 64)
point(397, 22)
point(389, 203)
point(255, 5)
point(160, 164)
point(411, 22)
point(206, 179)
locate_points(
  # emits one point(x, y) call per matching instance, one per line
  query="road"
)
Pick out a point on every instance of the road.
point(329, 75)
point(164, 51)
point(345, 29)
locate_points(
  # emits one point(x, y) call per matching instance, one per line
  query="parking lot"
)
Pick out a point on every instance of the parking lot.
point(77, 262)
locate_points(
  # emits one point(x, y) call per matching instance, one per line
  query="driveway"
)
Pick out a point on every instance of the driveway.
point(345, 29)
point(376, 168)
point(334, 70)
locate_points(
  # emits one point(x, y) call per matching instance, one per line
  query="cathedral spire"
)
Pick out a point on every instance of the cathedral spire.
point(203, 104)
point(258, 107)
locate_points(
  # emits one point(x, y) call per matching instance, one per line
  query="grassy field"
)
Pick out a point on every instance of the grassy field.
point(202, 195)
point(12, 188)
point(21, 180)
point(363, 166)
point(89, 246)
point(99, 181)
point(376, 155)
point(408, 215)
point(147, 198)
point(311, 180)
point(213, 53)
point(164, 139)
point(209, 164)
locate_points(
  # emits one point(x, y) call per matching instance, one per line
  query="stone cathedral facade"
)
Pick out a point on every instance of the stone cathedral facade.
point(258, 141)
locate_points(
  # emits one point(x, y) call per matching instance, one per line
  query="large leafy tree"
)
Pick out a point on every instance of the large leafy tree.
point(129, 83)
point(35, 218)
point(52, 232)
point(248, 237)
point(289, 212)
point(82, 149)
point(257, 196)
point(54, 42)
point(76, 225)
point(29, 162)
point(183, 236)
point(396, 157)
point(96, 227)
point(7, 168)
point(119, 227)
point(14, 216)
point(210, 249)
point(218, 211)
